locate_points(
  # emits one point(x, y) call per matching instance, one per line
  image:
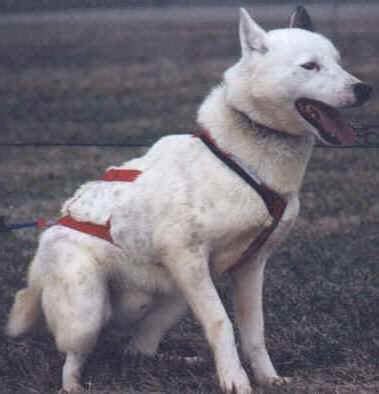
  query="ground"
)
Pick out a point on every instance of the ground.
point(120, 76)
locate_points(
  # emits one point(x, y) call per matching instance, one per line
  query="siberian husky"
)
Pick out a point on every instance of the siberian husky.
point(144, 241)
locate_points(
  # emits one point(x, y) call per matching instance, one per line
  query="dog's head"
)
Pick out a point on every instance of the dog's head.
point(291, 80)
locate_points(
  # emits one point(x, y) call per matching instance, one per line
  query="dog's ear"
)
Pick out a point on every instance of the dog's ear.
point(301, 19)
point(252, 36)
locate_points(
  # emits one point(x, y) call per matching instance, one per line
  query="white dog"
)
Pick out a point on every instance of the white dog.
point(143, 242)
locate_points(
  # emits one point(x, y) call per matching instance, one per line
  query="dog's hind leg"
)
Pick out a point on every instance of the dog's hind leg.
point(190, 270)
point(71, 373)
point(76, 304)
point(154, 325)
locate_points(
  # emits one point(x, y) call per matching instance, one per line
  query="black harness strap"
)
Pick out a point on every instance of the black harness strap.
point(275, 203)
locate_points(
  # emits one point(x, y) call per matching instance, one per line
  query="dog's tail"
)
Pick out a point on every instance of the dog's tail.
point(27, 305)
point(25, 311)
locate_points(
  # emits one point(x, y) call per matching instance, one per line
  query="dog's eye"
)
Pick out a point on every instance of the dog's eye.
point(311, 66)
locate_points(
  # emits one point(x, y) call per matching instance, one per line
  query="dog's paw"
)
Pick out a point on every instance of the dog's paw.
point(281, 380)
point(275, 381)
point(235, 383)
point(73, 388)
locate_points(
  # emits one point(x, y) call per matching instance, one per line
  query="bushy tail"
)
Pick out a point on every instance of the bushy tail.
point(25, 311)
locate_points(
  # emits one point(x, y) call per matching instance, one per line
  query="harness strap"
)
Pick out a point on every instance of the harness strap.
point(100, 230)
point(275, 203)
point(97, 230)
point(121, 175)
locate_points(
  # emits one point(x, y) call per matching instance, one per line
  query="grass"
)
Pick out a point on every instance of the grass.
point(100, 81)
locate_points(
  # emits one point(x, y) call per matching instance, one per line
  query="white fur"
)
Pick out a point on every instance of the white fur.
point(188, 215)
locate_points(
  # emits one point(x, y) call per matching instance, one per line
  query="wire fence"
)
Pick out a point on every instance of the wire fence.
point(19, 6)
point(367, 138)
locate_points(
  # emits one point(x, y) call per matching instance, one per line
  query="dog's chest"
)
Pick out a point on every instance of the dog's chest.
point(226, 252)
point(227, 225)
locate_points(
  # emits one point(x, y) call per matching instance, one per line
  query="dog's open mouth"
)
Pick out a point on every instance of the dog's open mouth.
point(327, 120)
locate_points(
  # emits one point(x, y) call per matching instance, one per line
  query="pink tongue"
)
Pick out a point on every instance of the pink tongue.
point(346, 134)
point(334, 125)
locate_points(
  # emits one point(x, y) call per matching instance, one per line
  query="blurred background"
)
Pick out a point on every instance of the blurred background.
point(131, 71)
point(45, 5)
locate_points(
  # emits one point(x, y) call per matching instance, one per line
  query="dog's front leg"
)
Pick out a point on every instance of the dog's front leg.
point(248, 286)
point(191, 272)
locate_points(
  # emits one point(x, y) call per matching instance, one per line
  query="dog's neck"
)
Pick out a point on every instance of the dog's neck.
point(278, 158)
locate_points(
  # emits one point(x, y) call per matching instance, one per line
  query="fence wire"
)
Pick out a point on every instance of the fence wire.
point(367, 137)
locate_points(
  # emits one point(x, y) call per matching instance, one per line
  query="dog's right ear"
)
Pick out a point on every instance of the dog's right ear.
point(252, 36)
point(301, 19)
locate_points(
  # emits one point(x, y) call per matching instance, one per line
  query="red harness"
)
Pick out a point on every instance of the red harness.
point(99, 230)
point(275, 203)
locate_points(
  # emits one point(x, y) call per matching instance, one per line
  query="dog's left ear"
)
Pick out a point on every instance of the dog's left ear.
point(252, 36)
point(301, 19)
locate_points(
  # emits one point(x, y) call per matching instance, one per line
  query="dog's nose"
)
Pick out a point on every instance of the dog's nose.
point(362, 92)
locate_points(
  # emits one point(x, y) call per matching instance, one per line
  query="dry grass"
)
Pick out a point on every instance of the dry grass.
point(108, 82)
